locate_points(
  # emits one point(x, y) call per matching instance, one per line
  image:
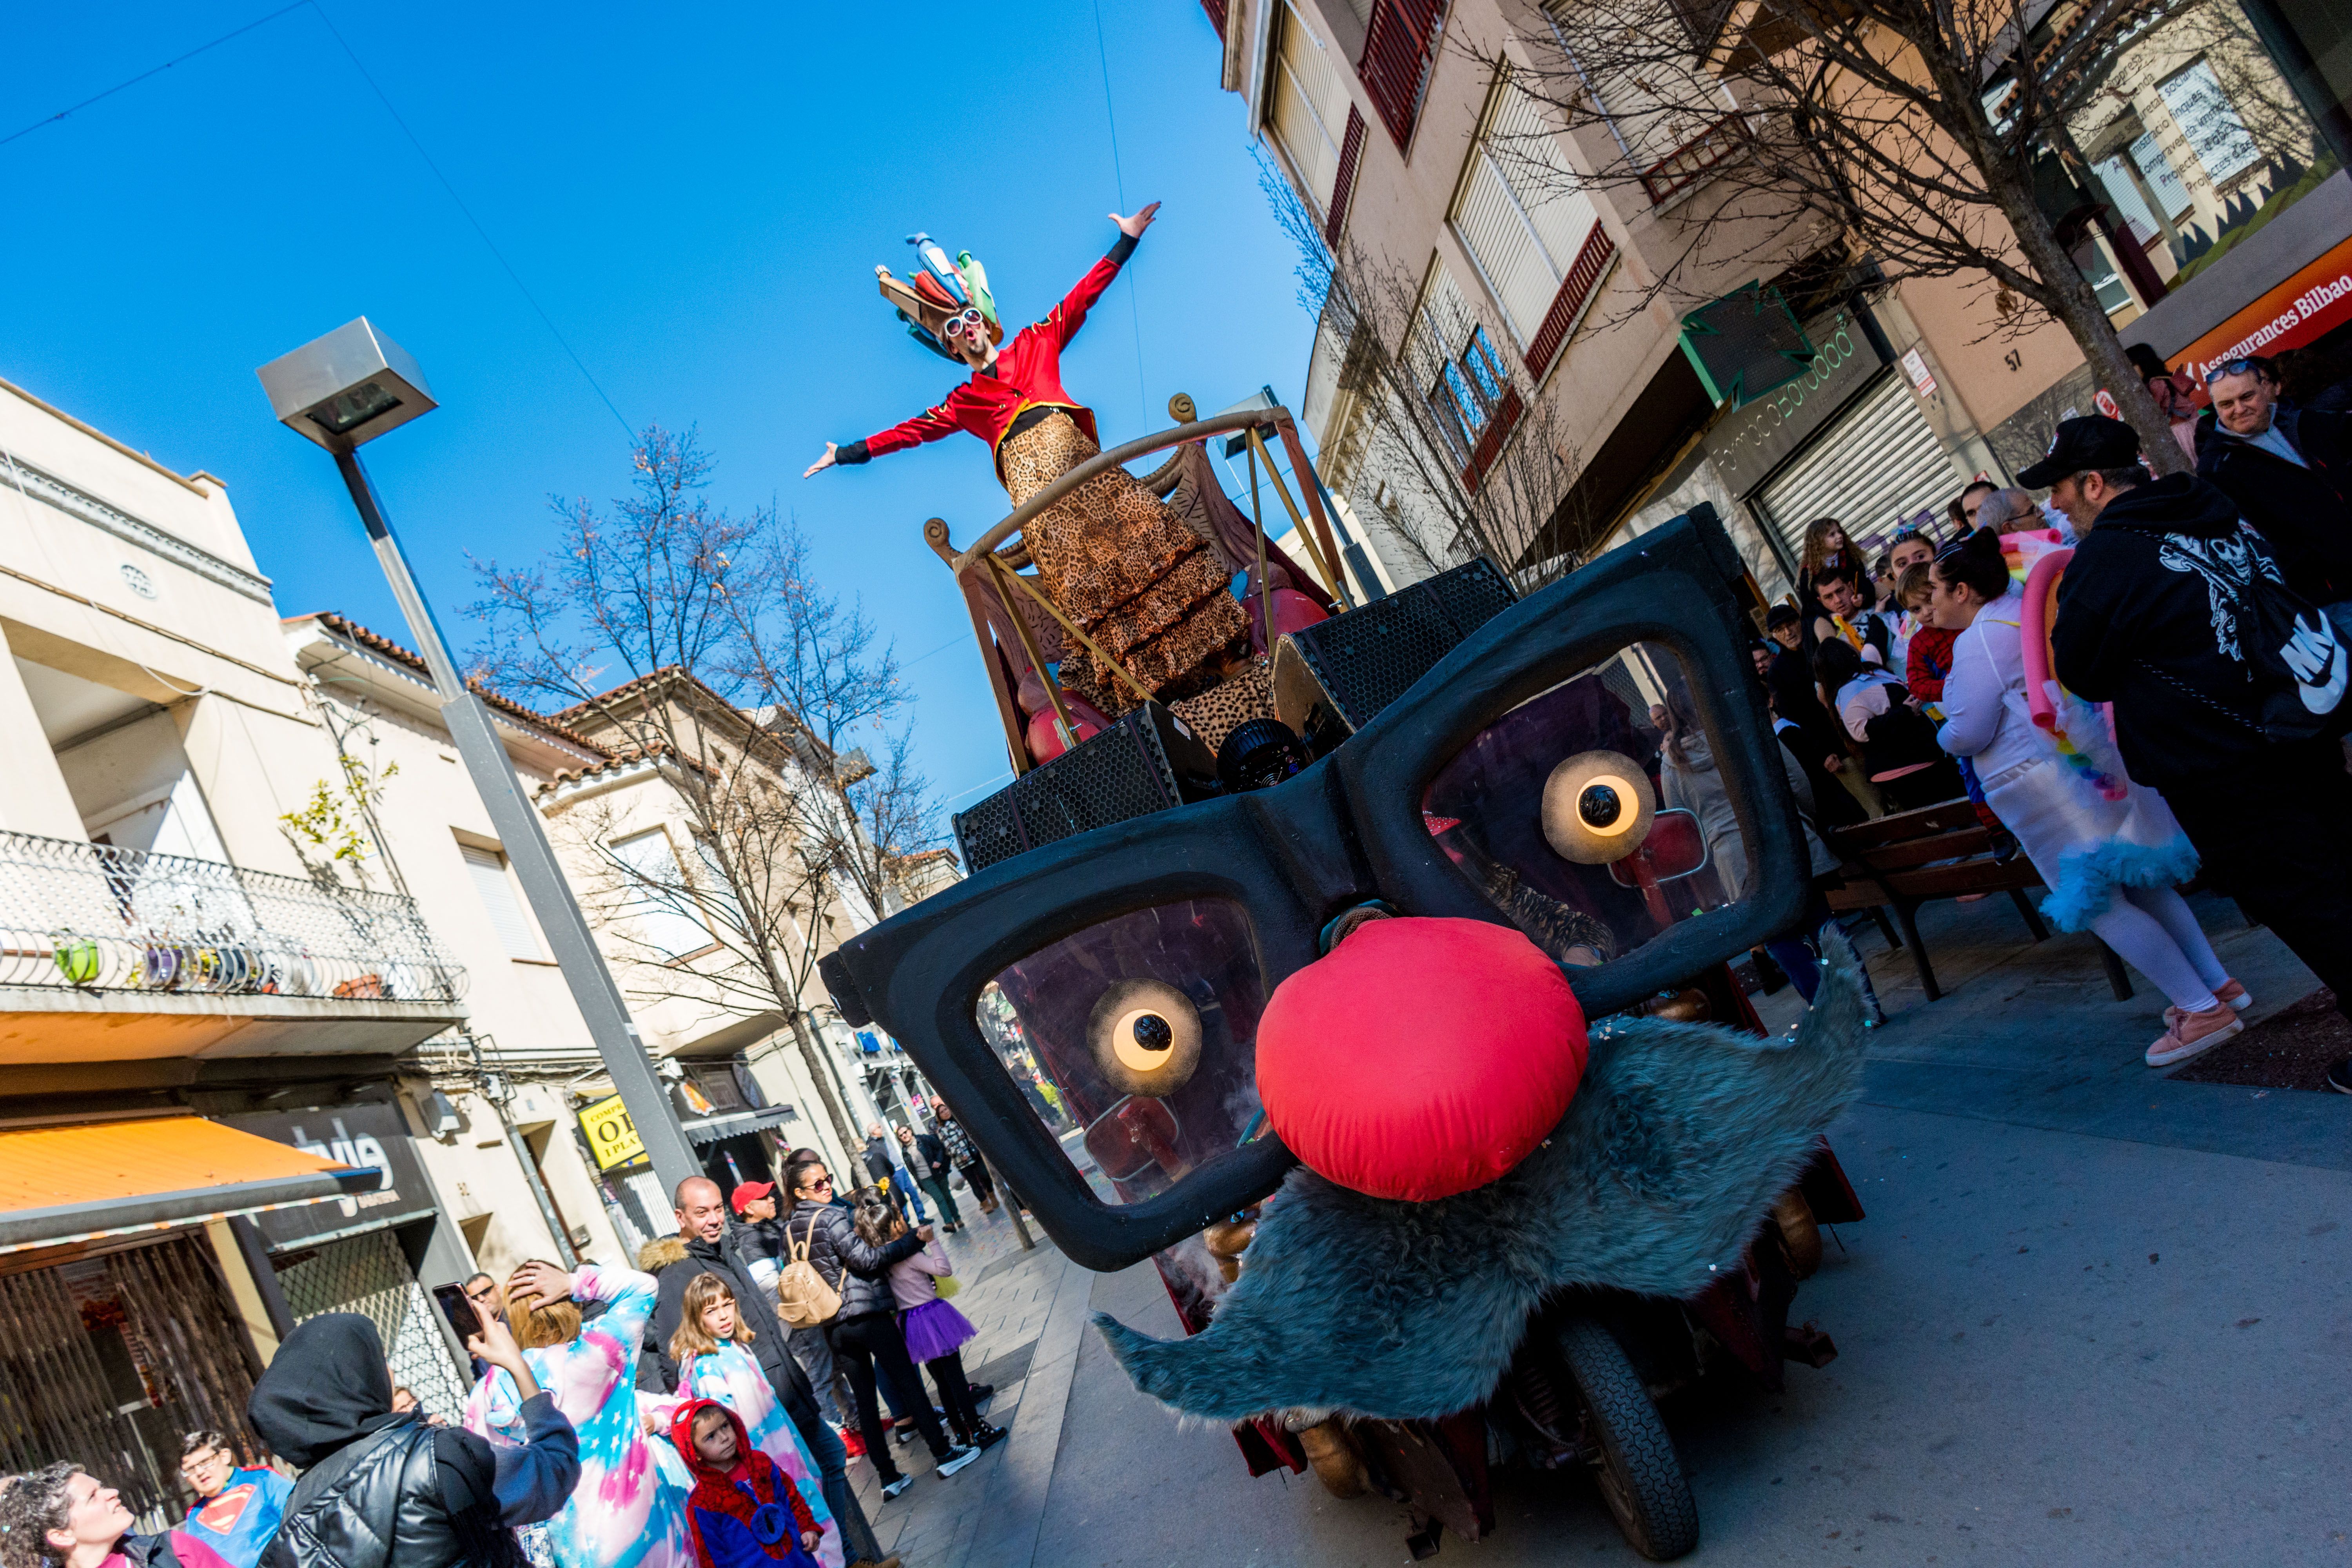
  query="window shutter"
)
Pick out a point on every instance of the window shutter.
point(1351, 151)
point(2170, 189)
point(1398, 43)
point(488, 869)
point(2126, 198)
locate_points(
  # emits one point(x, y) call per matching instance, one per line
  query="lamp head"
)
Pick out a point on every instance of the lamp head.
point(346, 388)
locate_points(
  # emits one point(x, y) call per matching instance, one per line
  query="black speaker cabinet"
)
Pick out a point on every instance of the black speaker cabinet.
point(1147, 761)
point(1330, 678)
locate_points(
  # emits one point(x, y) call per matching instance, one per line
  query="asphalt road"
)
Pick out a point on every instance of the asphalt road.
point(2093, 1319)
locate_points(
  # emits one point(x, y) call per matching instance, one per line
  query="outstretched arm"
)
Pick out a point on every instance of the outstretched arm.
point(1071, 313)
point(930, 425)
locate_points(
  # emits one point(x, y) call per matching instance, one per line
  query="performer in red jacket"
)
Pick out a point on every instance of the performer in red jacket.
point(1117, 562)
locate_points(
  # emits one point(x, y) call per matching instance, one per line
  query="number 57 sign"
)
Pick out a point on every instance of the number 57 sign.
point(611, 1134)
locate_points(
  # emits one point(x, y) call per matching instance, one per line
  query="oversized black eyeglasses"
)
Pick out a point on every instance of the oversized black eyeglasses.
point(1090, 1007)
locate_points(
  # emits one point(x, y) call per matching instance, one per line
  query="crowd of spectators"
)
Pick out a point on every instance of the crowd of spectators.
point(2192, 721)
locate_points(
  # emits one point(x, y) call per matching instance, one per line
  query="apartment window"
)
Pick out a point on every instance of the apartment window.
point(2124, 192)
point(658, 900)
point(496, 889)
point(2206, 117)
point(1526, 223)
point(1310, 110)
point(2171, 194)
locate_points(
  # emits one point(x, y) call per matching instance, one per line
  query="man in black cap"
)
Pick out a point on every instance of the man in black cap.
point(2158, 614)
point(2288, 469)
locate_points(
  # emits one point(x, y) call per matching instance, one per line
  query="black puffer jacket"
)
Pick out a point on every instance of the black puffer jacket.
point(2306, 512)
point(385, 1490)
point(845, 1261)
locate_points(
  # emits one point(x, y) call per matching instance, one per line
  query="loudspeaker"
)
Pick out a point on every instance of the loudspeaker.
point(1147, 761)
point(1332, 678)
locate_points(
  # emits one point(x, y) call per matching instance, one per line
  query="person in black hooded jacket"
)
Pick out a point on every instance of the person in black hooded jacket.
point(2148, 619)
point(386, 1489)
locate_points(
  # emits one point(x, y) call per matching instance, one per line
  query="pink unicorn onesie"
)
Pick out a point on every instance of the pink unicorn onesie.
point(627, 1512)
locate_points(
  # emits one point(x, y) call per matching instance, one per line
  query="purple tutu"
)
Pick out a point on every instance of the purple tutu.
point(935, 1329)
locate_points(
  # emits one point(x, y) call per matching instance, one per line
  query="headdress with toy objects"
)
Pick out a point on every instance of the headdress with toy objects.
point(937, 291)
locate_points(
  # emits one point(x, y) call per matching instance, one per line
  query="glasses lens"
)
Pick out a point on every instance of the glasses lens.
point(1135, 1042)
point(1594, 815)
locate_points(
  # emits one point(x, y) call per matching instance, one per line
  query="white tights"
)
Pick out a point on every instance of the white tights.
point(2152, 929)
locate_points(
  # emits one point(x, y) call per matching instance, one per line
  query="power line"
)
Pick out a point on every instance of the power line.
point(1119, 184)
point(157, 70)
point(515, 276)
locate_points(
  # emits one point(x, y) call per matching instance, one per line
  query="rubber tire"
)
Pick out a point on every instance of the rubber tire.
point(1800, 1234)
point(1640, 1475)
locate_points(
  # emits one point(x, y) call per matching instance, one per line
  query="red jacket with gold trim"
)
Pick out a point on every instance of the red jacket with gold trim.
point(1027, 373)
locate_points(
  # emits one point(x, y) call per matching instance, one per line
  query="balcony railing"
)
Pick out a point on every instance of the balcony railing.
point(1688, 162)
point(92, 917)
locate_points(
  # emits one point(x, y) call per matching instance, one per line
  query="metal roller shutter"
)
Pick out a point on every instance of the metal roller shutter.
point(1875, 468)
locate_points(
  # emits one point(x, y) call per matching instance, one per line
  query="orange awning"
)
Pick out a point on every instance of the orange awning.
point(113, 1178)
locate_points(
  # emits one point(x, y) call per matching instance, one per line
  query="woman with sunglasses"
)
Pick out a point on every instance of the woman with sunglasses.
point(1117, 562)
point(865, 1333)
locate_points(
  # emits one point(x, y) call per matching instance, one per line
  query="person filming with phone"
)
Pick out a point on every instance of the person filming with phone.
point(435, 1495)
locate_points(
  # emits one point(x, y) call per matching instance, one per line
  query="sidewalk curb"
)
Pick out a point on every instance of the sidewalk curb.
point(1006, 1526)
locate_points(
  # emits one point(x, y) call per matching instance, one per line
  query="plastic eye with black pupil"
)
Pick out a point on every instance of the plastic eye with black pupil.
point(1597, 807)
point(1145, 1035)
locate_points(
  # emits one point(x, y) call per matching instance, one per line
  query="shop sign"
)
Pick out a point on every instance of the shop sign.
point(1749, 442)
point(612, 1136)
point(2313, 302)
point(372, 1134)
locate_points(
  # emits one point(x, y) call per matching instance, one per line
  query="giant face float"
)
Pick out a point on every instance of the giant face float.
point(1322, 1049)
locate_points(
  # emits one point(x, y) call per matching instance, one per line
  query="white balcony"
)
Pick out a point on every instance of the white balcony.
point(113, 954)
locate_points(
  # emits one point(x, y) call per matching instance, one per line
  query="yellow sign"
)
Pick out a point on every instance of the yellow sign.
point(611, 1134)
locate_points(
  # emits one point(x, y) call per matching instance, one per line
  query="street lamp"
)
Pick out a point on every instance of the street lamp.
point(343, 391)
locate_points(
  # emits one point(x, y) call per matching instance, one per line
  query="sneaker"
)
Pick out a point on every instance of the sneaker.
point(2235, 995)
point(903, 1436)
point(2339, 1076)
point(957, 1460)
point(982, 1393)
point(896, 1485)
point(987, 1437)
point(854, 1441)
point(2188, 1035)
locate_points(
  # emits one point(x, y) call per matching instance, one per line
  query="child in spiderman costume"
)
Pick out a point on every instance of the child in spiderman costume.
point(744, 1512)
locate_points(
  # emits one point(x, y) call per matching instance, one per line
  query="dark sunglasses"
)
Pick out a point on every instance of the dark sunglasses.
point(1093, 1004)
point(2237, 367)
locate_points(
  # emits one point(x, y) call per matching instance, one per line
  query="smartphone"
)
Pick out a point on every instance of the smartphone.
point(458, 1308)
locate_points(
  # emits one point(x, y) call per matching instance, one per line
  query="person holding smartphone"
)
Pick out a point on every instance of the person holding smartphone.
point(440, 1495)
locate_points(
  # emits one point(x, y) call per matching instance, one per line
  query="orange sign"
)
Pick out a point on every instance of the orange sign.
point(2315, 300)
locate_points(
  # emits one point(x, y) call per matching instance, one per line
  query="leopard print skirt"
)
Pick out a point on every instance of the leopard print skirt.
point(1126, 569)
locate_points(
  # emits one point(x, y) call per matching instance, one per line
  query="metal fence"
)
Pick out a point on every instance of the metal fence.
point(107, 1362)
point(93, 917)
point(370, 1275)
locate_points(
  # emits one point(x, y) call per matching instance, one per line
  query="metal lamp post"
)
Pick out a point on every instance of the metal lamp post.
point(345, 390)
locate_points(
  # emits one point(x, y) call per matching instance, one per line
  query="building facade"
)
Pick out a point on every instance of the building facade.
point(205, 1014)
point(1539, 306)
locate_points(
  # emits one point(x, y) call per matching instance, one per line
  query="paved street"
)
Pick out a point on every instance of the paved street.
point(2093, 1318)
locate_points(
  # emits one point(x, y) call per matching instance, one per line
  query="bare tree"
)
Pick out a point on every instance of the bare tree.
point(1889, 138)
point(1453, 455)
point(697, 642)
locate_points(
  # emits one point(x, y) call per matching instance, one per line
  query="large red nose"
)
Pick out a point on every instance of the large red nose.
point(1421, 1057)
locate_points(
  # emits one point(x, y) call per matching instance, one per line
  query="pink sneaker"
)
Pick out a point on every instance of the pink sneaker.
point(2235, 995)
point(2188, 1035)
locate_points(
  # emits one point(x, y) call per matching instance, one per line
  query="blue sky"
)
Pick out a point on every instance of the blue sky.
point(697, 204)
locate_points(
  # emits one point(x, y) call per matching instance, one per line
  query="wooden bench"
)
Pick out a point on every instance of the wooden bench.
point(1894, 864)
